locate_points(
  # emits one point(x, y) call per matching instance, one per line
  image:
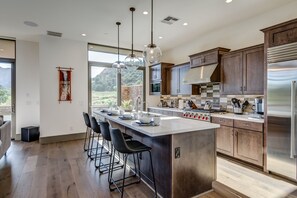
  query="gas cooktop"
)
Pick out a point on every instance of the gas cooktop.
point(200, 114)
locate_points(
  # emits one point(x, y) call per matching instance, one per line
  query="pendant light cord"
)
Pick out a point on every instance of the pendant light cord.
point(132, 10)
point(152, 22)
point(118, 24)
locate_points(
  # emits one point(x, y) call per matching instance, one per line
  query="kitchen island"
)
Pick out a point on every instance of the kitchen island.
point(183, 152)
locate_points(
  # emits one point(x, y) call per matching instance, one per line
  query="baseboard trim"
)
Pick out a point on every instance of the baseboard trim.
point(61, 138)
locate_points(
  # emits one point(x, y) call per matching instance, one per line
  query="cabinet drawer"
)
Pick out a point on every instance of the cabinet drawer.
point(248, 125)
point(222, 121)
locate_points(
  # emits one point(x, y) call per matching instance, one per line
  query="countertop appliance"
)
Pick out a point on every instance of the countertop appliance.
point(259, 105)
point(281, 110)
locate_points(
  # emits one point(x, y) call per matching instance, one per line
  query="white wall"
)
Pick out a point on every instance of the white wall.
point(236, 36)
point(65, 117)
point(27, 85)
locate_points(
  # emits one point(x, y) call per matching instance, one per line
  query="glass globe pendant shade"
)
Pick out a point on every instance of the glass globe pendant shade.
point(152, 54)
point(119, 66)
point(133, 61)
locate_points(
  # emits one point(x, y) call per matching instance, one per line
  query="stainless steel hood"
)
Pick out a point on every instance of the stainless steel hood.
point(202, 74)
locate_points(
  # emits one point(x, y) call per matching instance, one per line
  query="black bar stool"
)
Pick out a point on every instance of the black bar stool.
point(88, 131)
point(127, 148)
point(96, 129)
point(105, 132)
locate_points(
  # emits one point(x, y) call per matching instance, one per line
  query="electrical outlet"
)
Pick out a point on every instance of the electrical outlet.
point(177, 152)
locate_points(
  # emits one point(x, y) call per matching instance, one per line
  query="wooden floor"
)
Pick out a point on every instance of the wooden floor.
point(252, 183)
point(56, 170)
point(63, 170)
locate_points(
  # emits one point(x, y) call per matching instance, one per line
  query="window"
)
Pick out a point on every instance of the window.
point(107, 87)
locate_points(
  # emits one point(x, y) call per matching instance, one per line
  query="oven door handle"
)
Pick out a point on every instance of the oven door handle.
point(293, 104)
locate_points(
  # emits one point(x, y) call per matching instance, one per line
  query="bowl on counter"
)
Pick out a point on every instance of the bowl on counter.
point(145, 119)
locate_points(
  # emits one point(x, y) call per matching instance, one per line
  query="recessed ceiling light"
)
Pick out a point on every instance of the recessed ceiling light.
point(185, 24)
point(160, 37)
point(228, 1)
point(145, 12)
point(30, 23)
point(83, 34)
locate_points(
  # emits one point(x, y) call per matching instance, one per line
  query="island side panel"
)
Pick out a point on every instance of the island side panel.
point(161, 156)
point(195, 169)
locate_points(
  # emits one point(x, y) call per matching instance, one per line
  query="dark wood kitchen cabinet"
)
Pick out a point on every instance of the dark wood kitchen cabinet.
point(281, 34)
point(159, 76)
point(242, 71)
point(207, 57)
point(224, 135)
point(248, 146)
point(240, 139)
point(178, 74)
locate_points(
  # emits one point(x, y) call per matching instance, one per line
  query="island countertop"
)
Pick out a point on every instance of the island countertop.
point(169, 125)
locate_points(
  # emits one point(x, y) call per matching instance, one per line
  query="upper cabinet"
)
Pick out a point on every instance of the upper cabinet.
point(207, 57)
point(159, 76)
point(242, 71)
point(177, 76)
point(281, 34)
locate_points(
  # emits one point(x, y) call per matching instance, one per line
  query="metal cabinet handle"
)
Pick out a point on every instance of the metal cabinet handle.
point(293, 97)
point(241, 88)
point(221, 120)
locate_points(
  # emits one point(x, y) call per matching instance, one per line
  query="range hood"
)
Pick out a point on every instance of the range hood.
point(203, 74)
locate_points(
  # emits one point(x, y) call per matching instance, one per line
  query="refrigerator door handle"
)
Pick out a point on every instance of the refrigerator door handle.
point(293, 99)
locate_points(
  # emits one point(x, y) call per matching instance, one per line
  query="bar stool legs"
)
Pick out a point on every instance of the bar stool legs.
point(86, 137)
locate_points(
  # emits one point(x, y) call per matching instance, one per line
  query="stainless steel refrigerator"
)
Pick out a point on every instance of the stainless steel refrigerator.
point(281, 110)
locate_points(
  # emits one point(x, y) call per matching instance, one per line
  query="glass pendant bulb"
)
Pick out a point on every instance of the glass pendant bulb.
point(132, 60)
point(151, 52)
point(119, 65)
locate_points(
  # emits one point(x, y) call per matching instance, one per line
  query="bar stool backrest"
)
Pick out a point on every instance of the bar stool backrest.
point(118, 141)
point(94, 125)
point(87, 119)
point(104, 127)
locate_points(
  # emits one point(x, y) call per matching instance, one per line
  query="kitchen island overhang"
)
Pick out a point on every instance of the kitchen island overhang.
point(183, 151)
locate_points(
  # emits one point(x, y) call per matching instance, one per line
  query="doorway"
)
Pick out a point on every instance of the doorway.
point(7, 93)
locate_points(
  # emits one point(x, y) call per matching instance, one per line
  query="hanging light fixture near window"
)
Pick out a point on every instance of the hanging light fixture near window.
point(132, 60)
point(119, 64)
point(152, 53)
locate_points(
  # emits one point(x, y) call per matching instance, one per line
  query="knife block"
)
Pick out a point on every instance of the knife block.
point(237, 110)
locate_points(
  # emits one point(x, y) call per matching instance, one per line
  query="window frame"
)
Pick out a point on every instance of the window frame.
point(111, 49)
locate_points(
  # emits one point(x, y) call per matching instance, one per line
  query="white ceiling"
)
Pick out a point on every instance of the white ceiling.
point(97, 19)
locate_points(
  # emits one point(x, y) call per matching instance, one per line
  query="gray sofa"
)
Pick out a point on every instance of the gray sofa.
point(5, 137)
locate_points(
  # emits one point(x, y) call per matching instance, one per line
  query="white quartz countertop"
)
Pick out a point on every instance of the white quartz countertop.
point(237, 117)
point(169, 125)
point(167, 109)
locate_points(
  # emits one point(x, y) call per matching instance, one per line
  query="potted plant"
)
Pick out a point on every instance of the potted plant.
point(126, 105)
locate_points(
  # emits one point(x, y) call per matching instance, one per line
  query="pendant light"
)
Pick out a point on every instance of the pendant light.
point(152, 53)
point(132, 60)
point(119, 64)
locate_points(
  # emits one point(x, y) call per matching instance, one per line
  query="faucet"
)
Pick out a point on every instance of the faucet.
point(138, 103)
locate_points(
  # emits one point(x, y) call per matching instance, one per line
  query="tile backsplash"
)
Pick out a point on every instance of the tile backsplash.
point(211, 92)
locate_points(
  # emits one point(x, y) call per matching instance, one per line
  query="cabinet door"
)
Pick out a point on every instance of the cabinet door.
point(155, 72)
point(224, 137)
point(231, 73)
point(248, 146)
point(174, 81)
point(253, 69)
point(184, 88)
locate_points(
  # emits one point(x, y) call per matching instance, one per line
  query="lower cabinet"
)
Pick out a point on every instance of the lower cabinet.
point(239, 141)
point(224, 136)
point(248, 146)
